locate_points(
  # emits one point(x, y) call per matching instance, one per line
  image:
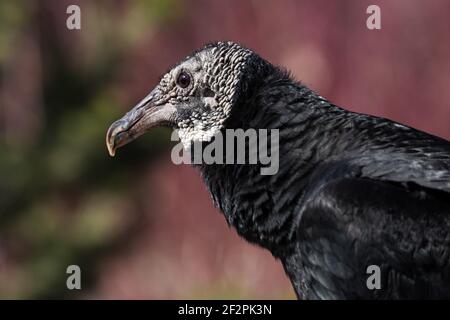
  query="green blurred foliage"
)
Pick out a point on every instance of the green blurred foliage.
point(61, 196)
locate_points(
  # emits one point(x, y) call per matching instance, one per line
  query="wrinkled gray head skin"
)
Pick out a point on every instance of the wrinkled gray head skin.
point(197, 108)
point(206, 103)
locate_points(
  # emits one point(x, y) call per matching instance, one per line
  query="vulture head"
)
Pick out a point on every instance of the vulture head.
point(195, 97)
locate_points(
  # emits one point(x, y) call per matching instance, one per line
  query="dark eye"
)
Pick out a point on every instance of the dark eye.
point(183, 79)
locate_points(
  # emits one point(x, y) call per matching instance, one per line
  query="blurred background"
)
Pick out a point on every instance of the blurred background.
point(137, 225)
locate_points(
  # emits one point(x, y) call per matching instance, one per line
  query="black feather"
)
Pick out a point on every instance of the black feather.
point(352, 190)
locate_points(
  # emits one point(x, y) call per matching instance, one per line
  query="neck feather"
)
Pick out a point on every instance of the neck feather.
point(257, 205)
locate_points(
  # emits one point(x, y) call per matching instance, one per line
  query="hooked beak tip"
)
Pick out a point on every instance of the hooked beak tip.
point(111, 150)
point(113, 134)
point(110, 143)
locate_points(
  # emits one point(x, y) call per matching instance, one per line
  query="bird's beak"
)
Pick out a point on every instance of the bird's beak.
point(145, 115)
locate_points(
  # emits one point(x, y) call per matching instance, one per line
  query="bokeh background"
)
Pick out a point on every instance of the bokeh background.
point(137, 225)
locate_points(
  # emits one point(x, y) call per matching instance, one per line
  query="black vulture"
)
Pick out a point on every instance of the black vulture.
point(353, 192)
